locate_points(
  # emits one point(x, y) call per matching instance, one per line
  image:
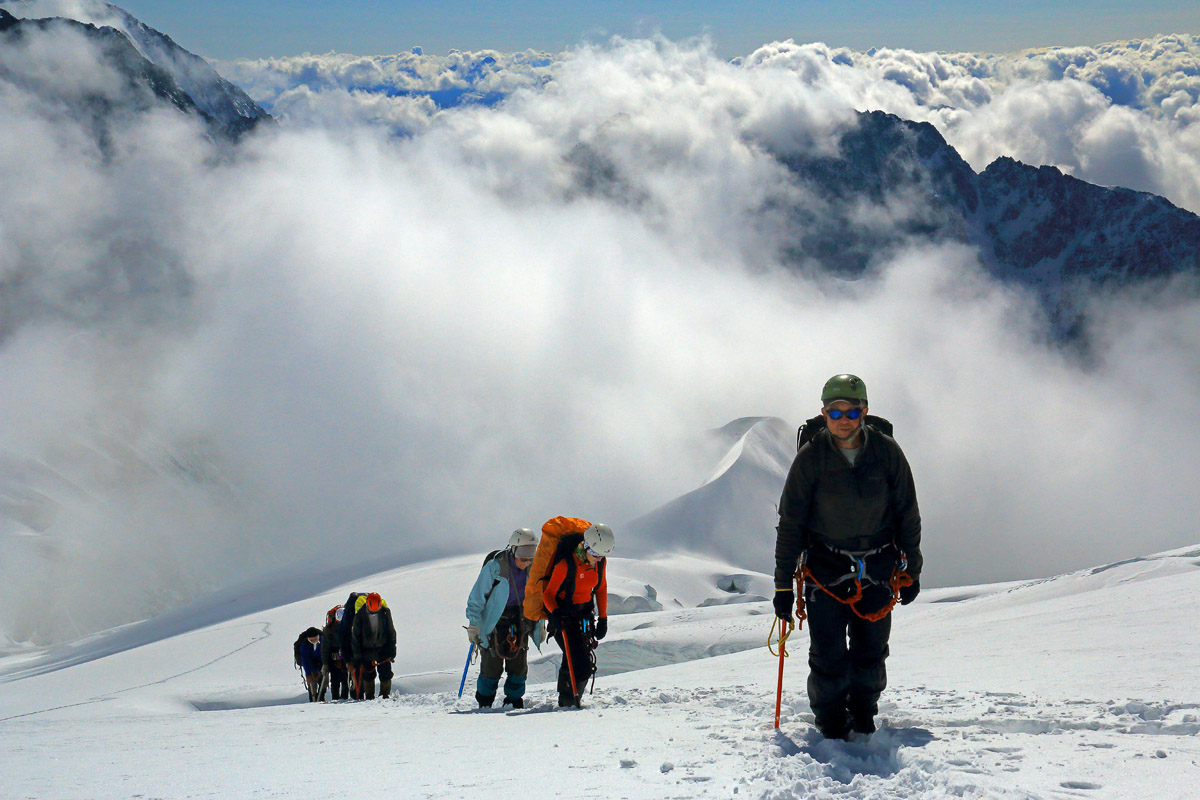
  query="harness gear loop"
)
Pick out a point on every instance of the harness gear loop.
point(899, 579)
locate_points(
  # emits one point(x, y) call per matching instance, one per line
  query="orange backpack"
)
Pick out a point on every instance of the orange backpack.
point(539, 573)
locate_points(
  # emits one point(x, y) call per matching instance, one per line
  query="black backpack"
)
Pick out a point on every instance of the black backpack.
point(566, 552)
point(812, 427)
point(346, 626)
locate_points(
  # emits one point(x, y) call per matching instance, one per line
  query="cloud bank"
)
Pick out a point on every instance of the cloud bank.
point(1122, 114)
point(337, 344)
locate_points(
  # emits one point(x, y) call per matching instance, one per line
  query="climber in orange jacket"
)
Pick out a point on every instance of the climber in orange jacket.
point(576, 595)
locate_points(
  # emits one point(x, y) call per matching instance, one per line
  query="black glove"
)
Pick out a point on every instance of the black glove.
point(785, 601)
point(909, 593)
point(554, 625)
point(601, 628)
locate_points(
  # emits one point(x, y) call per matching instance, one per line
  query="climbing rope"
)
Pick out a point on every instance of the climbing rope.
point(785, 630)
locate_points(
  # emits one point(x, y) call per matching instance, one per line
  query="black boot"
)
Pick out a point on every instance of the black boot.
point(863, 724)
point(385, 688)
point(836, 727)
point(515, 702)
point(484, 700)
point(565, 700)
point(862, 714)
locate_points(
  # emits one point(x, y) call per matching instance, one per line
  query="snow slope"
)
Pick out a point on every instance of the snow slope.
point(736, 505)
point(1079, 686)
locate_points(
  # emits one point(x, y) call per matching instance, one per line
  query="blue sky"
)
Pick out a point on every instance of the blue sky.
point(255, 28)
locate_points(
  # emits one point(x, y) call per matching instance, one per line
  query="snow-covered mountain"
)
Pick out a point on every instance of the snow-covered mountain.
point(149, 61)
point(1077, 686)
point(734, 511)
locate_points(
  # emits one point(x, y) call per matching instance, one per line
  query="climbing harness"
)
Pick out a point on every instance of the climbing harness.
point(899, 579)
point(509, 642)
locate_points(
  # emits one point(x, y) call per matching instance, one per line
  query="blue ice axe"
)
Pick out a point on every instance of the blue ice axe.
point(463, 682)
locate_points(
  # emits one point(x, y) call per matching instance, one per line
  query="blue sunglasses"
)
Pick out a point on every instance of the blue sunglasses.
point(835, 413)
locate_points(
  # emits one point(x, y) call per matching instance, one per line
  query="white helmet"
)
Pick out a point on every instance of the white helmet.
point(599, 539)
point(521, 537)
point(523, 543)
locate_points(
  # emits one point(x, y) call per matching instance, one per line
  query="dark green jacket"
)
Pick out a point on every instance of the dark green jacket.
point(826, 501)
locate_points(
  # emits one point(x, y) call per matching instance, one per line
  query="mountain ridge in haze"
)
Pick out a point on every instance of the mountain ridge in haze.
point(1031, 225)
point(146, 58)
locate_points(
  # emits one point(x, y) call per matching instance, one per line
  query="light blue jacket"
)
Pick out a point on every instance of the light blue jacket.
point(489, 597)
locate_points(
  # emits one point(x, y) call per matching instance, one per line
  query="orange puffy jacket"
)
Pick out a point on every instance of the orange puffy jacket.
point(588, 580)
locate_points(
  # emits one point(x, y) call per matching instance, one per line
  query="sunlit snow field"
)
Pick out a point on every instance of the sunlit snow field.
point(1079, 686)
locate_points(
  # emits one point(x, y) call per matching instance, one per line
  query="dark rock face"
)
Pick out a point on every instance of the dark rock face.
point(890, 181)
point(1038, 216)
point(893, 182)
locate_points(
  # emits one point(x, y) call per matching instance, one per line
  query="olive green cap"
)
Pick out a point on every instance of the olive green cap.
point(844, 387)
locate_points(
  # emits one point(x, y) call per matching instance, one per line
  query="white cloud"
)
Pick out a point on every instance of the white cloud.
point(333, 109)
point(458, 77)
point(1122, 113)
point(338, 344)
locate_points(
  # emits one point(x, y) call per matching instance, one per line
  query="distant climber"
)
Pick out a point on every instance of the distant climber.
point(373, 643)
point(333, 661)
point(307, 654)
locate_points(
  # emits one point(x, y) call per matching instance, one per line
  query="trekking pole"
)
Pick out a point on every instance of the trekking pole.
point(463, 682)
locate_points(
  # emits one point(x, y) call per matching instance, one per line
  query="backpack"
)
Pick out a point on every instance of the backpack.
point(331, 615)
point(504, 572)
point(812, 427)
point(544, 560)
point(346, 626)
